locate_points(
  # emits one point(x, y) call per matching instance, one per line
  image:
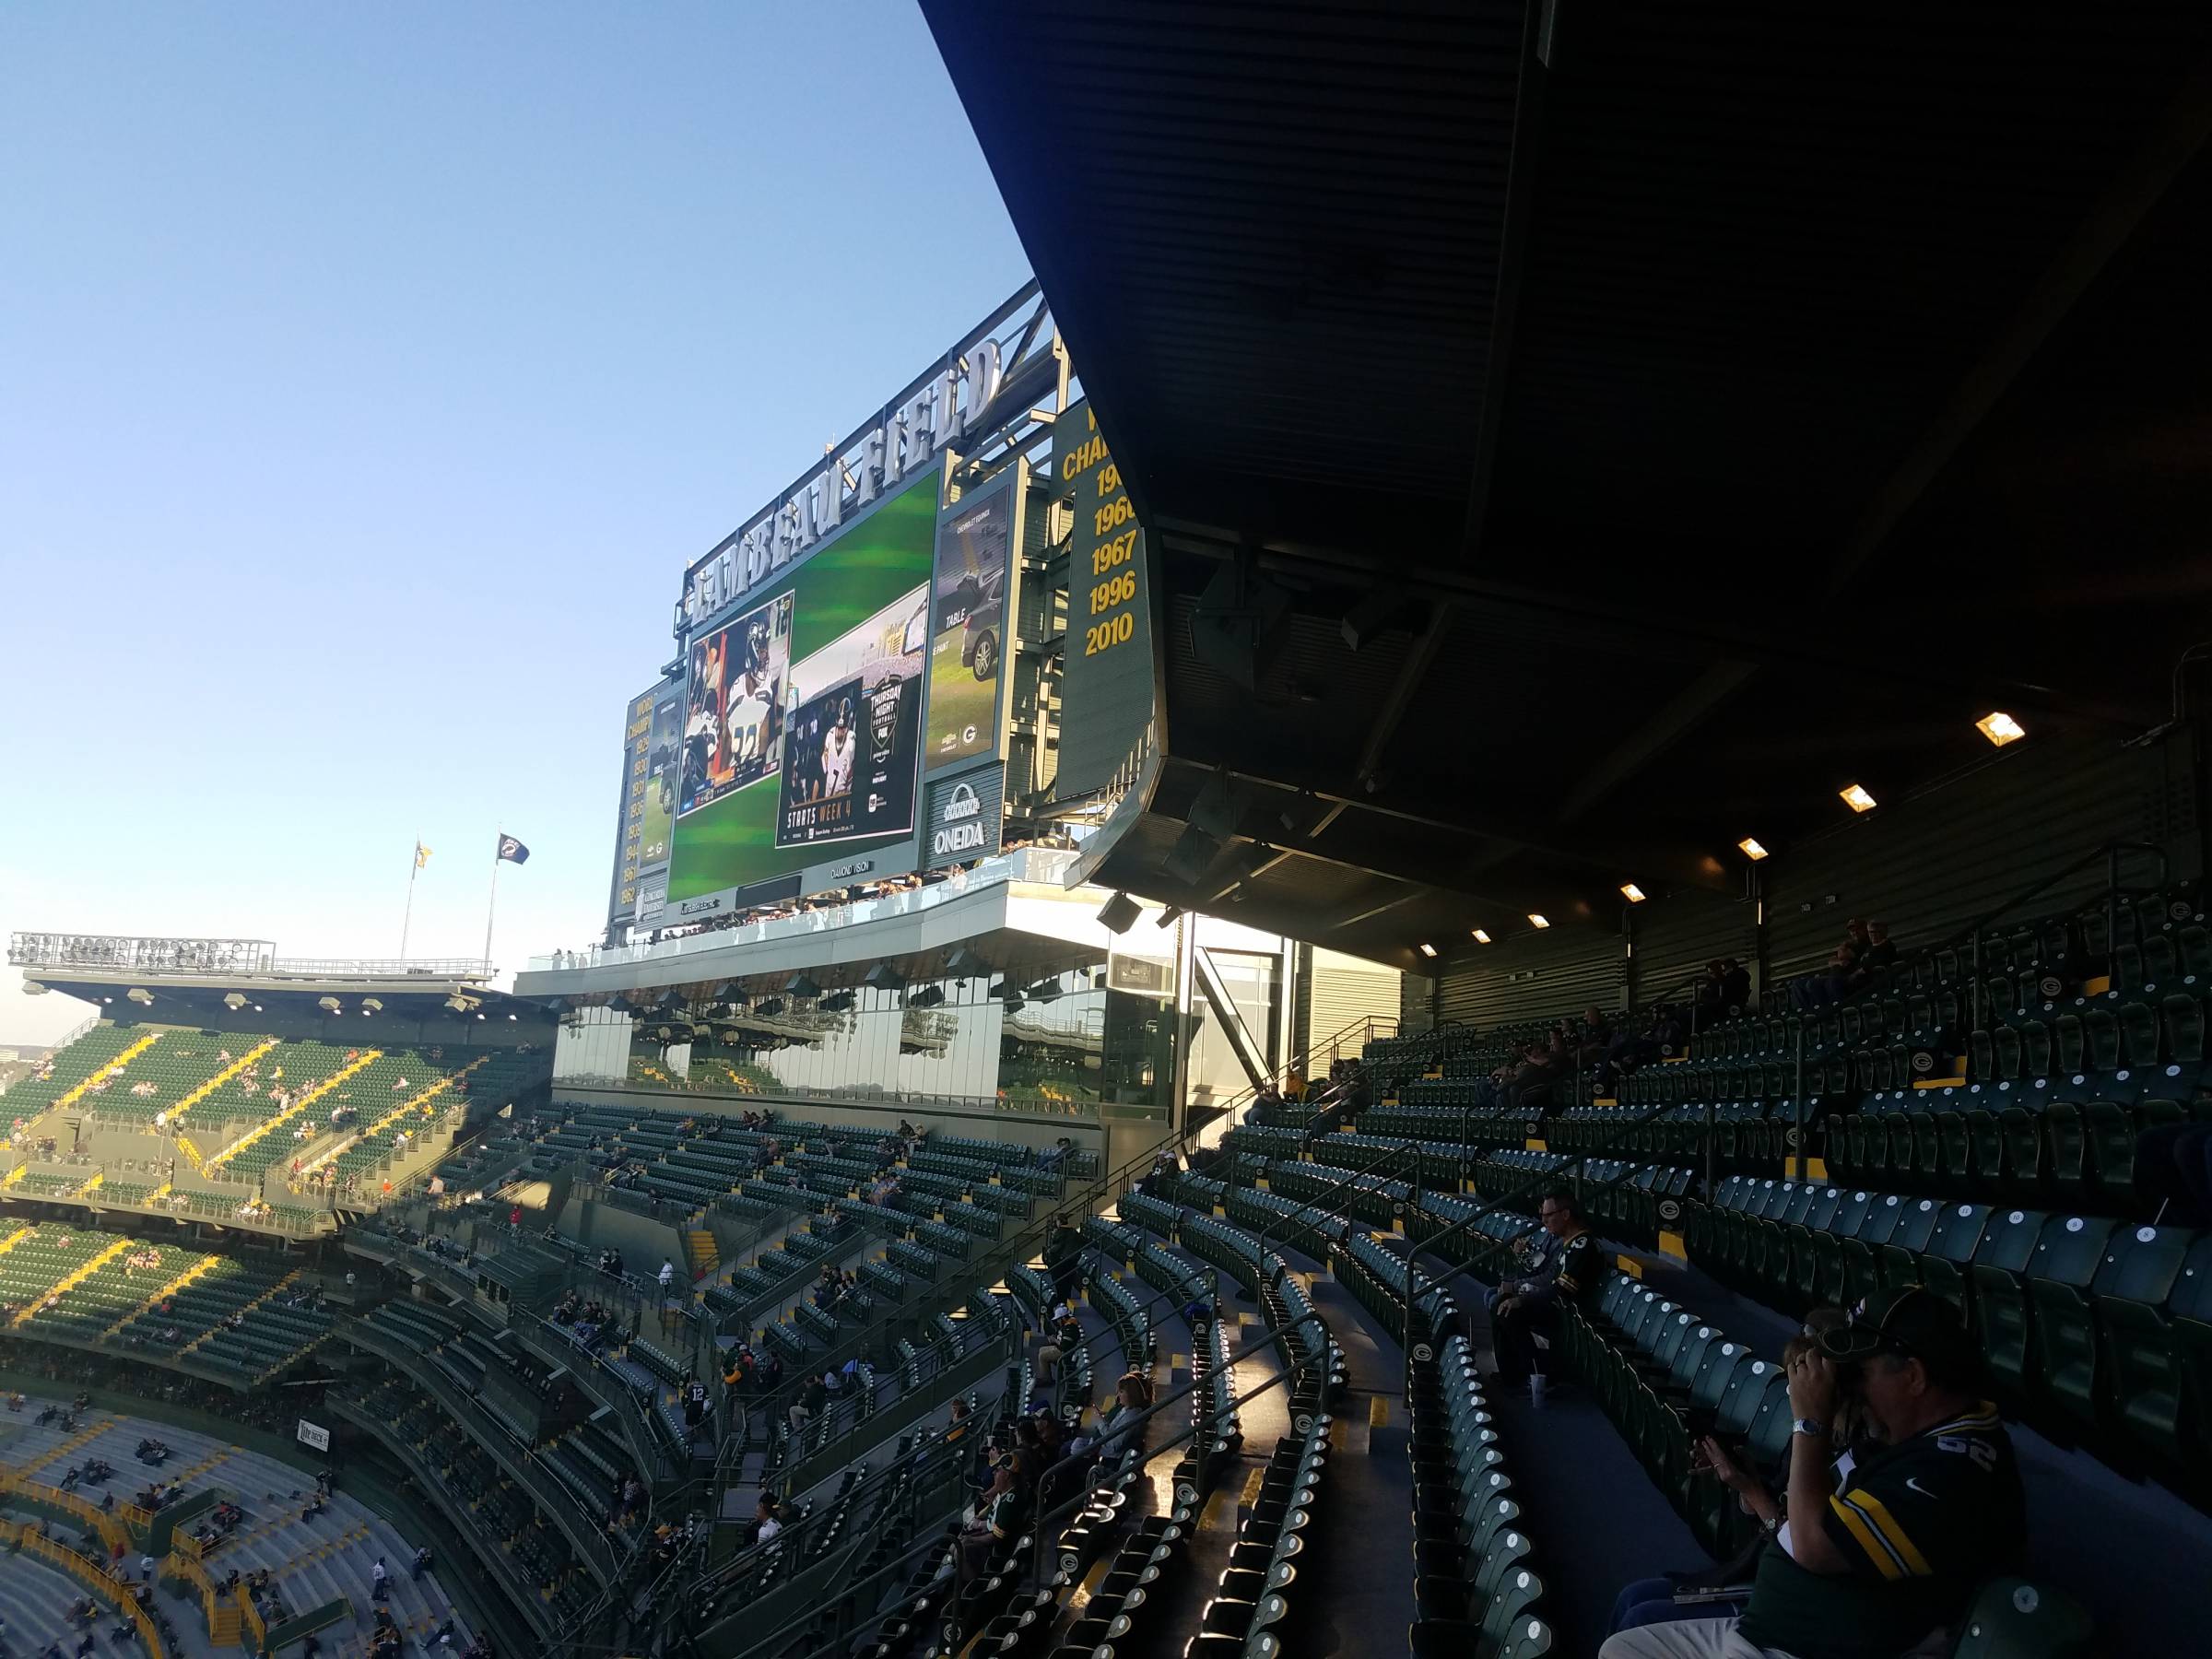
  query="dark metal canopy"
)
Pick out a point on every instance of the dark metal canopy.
point(1575, 437)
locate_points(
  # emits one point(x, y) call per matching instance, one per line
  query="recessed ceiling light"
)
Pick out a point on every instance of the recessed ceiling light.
point(1536, 921)
point(2000, 728)
point(1631, 893)
point(1751, 848)
point(1857, 798)
point(1481, 937)
point(1427, 950)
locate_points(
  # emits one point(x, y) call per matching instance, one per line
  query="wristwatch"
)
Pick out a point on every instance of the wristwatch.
point(1812, 1426)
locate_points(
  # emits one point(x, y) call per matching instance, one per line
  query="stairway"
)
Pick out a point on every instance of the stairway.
point(76, 1275)
point(308, 1097)
point(223, 1324)
point(174, 1285)
point(112, 1066)
point(701, 1251)
point(216, 1082)
point(324, 1160)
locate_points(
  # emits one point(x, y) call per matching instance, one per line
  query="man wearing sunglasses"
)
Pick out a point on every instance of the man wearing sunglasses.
point(1875, 1565)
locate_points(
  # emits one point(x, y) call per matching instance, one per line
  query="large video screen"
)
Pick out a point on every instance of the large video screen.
point(802, 715)
point(970, 607)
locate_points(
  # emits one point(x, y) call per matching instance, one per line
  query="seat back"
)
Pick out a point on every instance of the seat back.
point(2013, 1619)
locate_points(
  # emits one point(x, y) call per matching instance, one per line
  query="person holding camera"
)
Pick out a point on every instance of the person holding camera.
point(1878, 1561)
point(1722, 1591)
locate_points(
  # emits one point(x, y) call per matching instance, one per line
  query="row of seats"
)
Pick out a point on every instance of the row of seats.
point(2101, 1331)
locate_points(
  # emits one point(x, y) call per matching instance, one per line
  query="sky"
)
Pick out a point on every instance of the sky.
point(368, 376)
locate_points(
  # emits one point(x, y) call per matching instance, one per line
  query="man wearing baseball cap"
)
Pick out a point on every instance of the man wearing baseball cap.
point(1872, 1568)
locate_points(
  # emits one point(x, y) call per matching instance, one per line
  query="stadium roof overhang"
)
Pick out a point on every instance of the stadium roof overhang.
point(1574, 437)
point(200, 999)
point(985, 926)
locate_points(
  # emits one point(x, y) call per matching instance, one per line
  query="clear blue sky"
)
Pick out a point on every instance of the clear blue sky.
point(368, 374)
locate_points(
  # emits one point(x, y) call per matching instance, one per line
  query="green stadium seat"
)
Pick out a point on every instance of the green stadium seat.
point(2013, 1618)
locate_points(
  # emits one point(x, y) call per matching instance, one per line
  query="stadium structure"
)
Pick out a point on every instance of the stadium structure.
point(1542, 742)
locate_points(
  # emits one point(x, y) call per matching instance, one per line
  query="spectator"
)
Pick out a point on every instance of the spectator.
point(1064, 1256)
point(667, 1279)
point(998, 1519)
point(765, 1525)
point(1877, 1563)
point(1735, 986)
point(1062, 1339)
point(1654, 1600)
point(1571, 1264)
point(1122, 1425)
point(1881, 950)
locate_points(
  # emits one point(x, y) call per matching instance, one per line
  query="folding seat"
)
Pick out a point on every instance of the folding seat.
point(2011, 1618)
point(2154, 1318)
point(2193, 951)
point(1826, 1282)
point(2066, 1149)
point(2139, 1027)
point(2182, 1017)
point(2110, 1130)
point(1997, 1283)
point(1921, 1166)
point(1950, 1249)
point(1708, 1504)
point(2004, 1146)
point(1803, 1230)
point(1899, 1255)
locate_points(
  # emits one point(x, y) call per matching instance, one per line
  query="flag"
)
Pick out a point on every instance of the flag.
point(422, 856)
point(513, 850)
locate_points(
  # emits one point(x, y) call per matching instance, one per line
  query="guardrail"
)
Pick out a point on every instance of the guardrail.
point(1046, 866)
point(27, 1537)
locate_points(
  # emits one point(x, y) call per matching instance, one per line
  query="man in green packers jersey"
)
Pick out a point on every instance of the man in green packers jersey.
point(1571, 1266)
point(1875, 1564)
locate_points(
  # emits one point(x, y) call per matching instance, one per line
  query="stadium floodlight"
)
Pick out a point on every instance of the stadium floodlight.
point(1631, 893)
point(140, 995)
point(1427, 949)
point(2000, 728)
point(1750, 848)
point(1118, 913)
point(1537, 920)
point(1481, 937)
point(329, 1004)
point(1856, 797)
point(234, 1000)
point(460, 1001)
point(371, 1004)
point(799, 986)
point(884, 977)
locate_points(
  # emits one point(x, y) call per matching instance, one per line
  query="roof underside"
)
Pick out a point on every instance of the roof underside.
point(1766, 392)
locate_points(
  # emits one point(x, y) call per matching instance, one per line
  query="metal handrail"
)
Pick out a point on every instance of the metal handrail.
point(897, 1568)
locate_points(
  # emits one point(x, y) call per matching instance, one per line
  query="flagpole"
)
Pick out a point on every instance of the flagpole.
point(491, 906)
point(407, 920)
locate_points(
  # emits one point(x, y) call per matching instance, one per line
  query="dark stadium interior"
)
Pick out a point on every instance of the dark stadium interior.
point(1573, 444)
point(1740, 411)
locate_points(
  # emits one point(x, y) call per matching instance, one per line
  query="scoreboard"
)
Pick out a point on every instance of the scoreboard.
point(1107, 681)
